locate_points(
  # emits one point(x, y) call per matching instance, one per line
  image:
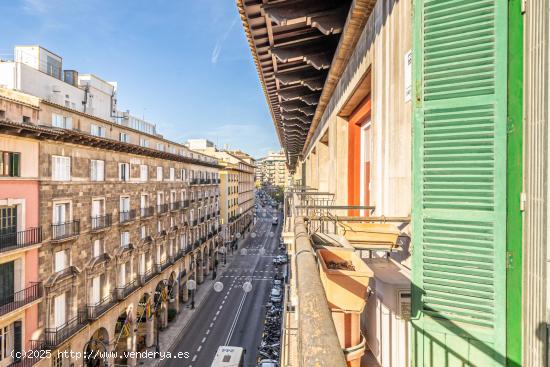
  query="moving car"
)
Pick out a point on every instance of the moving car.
point(268, 363)
point(229, 356)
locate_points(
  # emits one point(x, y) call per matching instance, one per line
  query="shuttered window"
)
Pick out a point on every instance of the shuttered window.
point(459, 135)
point(97, 170)
point(61, 168)
point(10, 164)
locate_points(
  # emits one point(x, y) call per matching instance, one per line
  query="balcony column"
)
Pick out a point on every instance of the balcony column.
point(175, 304)
point(184, 292)
point(131, 345)
point(200, 271)
point(149, 331)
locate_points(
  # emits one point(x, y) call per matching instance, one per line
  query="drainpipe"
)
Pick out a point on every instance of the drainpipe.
point(318, 343)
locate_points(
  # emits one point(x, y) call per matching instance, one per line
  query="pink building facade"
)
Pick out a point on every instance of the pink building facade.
point(20, 231)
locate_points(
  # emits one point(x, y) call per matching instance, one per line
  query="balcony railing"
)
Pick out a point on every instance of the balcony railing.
point(61, 231)
point(124, 291)
point(207, 216)
point(127, 216)
point(20, 298)
point(101, 221)
point(175, 206)
point(147, 275)
point(163, 264)
point(194, 222)
point(147, 212)
point(32, 356)
point(188, 249)
point(184, 204)
point(162, 208)
point(197, 243)
point(55, 336)
point(96, 310)
point(13, 240)
point(195, 181)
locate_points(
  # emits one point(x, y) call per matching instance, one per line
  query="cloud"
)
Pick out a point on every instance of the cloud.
point(40, 7)
point(219, 44)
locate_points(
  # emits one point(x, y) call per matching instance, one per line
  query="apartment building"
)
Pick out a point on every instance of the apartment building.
point(123, 227)
point(272, 169)
point(229, 199)
point(241, 169)
point(20, 231)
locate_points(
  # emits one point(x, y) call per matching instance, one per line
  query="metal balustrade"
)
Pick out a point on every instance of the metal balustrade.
point(124, 291)
point(57, 335)
point(147, 212)
point(96, 310)
point(65, 230)
point(18, 299)
point(162, 208)
point(101, 222)
point(127, 216)
point(13, 240)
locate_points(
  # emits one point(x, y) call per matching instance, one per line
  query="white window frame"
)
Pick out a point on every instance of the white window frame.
point(143, 172)
point(97, 170)
point(126, 170)
point(61, 168)
point(160, 173)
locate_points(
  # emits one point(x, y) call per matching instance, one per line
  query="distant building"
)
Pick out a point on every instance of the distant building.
point(272, 169)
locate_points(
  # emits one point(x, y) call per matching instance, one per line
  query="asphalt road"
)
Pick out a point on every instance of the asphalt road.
point(232, 316)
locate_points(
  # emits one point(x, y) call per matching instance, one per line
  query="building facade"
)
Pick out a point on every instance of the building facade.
point(20, 231)
point(121, 227)
point(272, 169)
point(238, 186)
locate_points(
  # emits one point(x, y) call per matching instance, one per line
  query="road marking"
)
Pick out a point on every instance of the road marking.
point(215, 317)
point(199, 348)
point(232, 329)
point(194, 358)
point(218, 312)
point(207, 331)
point(203, 340)
point(211, 324)
point(221, 307)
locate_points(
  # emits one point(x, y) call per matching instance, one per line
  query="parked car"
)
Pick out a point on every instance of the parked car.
point(277, 283)
point(275, 221)
point(276, 295)
point(268, 363)
point(280, 259)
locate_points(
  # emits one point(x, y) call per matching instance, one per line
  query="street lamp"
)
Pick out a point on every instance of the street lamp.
point(192, 285)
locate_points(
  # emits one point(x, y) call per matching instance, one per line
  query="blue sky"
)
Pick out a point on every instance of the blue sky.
point(183, 64)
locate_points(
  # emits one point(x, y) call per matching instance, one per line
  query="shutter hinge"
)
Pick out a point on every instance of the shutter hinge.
point(509, 260)
point(522, 201)
point(523, 6)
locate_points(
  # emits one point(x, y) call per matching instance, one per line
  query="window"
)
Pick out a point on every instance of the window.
point(159, 173)
point(10, 341)
point(124, 171)
point(143, 232)
point(143, 172)
point(144, 142)
point(97, 248)
point(124, 137)
point(97, 170)
point(183, 174)
point(172, 173)
point(97, 130)
point(10, 164)
point(61, 168)
point(124, 239)
point(60, 260)
point(26, 120)
point(2, 114)
point(160, 147)
point(62, 121)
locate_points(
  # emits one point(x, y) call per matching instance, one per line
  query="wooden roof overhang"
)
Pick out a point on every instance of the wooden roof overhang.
point(300, 48)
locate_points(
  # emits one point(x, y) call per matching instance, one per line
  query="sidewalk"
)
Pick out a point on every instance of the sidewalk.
point(169, 336)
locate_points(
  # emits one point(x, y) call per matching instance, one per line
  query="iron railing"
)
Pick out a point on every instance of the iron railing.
point(101, 221)
point(20, 298)
point(57, 335)
point(175, 205)
point(125, 290)
point(65, 230)
point(163, 264)
point(147, 212)
point(96, 310)
point(32, 356)
point(13, 240)
point(147, 275)
point(162, 208)
point(127, 216)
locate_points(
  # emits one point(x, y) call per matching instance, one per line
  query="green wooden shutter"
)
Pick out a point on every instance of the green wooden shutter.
point(15, 166)
point(459, 183)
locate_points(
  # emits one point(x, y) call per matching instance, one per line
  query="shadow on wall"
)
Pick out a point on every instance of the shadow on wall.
point(436, 352)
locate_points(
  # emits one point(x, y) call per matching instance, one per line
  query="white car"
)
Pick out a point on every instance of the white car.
point(275, 221)
point(275, 296)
